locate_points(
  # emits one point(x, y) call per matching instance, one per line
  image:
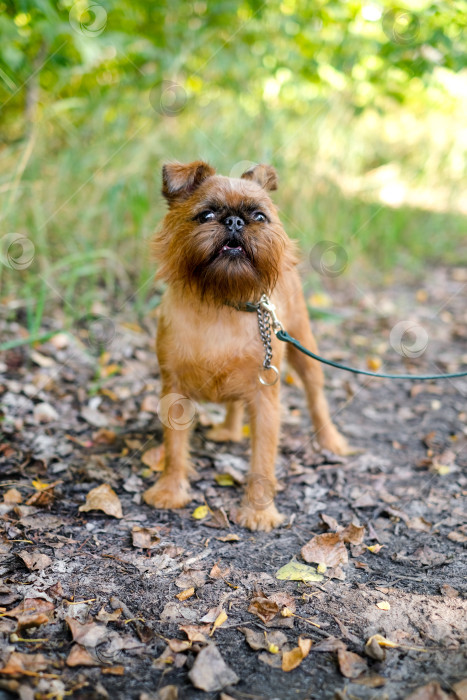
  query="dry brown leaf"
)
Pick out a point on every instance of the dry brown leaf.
point(184, 595)
point(210, 672)
point(168, 692)
point(292, 659)
point(351, 665)
point(431, 691)
point(264, 608)
point(325, 549)
point(104, 616)
point(330, 522)
point(19, 663)
point(145, 537)
point(113, 670)
point(154, 458)
point(88, 634)
point(79, 656)
point(383, 605)
point(352, 534)
point(103, 498)
point(260, 640)
point(32, 612)
point(35, 561)
point(104, 436)
point(449, 592)
point(330, 644)
point(229, 538)
point(12, 496)
point(179, 645)
point(420, 524)
point(196, 633)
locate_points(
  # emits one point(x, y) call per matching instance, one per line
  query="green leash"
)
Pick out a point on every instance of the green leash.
point(286, 338)
point(266, 308)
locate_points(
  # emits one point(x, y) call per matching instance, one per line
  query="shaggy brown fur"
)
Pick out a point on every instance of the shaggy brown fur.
point(222, 243)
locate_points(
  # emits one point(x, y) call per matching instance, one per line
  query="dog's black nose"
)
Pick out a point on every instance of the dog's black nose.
point(234, 223)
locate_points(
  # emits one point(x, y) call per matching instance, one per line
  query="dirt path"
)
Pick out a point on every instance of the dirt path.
point(89, 604)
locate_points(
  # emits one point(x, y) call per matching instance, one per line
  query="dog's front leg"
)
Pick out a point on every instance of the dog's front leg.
point(172, 489)
point(258, 511)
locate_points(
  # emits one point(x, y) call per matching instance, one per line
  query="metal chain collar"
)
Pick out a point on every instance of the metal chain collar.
point(264, 323)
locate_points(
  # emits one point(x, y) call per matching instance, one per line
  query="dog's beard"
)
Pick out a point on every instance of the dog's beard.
point(221, 268)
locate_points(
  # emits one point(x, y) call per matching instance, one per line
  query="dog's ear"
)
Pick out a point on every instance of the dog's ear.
point(179, 181)
point(264, 175)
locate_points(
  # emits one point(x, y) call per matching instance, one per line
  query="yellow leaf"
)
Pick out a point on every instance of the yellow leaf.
point(375, 548)
point(290, 379)
point(184, 595)
point(441, 469)
point(273, 648)
point(321, 568)
point(246, 430)
point(382, 641)
point(320, 300)
point(40, 485)
point(110, 370)
point(383, 605)
point(200, 512)
point(286, 612)
point(294, 571)
point(292, 659)
point(220, 619)
point(373, 363)
point(224, 480)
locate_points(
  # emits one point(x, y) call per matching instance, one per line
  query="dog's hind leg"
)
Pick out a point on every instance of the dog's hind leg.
point(230, 430)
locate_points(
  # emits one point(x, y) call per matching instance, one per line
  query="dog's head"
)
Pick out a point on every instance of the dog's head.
point(221, 237)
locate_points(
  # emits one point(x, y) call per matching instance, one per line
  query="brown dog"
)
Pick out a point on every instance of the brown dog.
point(220, 245)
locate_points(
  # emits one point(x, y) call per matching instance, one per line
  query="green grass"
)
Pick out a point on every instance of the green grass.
point(89, 200)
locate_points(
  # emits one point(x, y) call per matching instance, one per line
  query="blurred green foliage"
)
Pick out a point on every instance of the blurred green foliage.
point(359, 104)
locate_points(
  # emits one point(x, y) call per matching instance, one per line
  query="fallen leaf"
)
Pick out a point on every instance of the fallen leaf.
point(351, 665)
point(179, 645)
point(12, 496)
point(168, 692)
point(154, 458)
point(104, 436)
point(431, 691)
point(79, 656)
point(196, 633)
point(330, 522)
point(220, 619)
point(420, 524)
point(261, 640)
point(45, 413)
point(104, 616)
point(32, 612)
point(375, 548)
point(187, 593)
point(103, 498)
point(18, 663)
point(88, 634)
point(210, 672)
point(224, 480)
point(383, 605)
point(329, 644)
point(113, 670)
point(352, 534)
point(145, 537)
point(264, 608)
point(449, 592)
point(325, 549)
point(200, 512)
point(295, 571)
point(231, 537)
point(35, 561)
point(292, 659)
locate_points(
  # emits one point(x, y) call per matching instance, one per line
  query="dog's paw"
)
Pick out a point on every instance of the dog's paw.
point(168, 493)
point(218, 433)
point(265, 519)
point(330, 439)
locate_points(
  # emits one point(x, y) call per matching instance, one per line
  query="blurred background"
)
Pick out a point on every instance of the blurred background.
point(360, 105)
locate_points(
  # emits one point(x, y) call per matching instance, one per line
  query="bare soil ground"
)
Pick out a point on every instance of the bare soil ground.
point(89, 605)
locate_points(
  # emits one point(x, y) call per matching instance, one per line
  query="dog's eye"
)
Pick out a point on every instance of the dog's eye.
point(206, 216)
point(258, 216)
